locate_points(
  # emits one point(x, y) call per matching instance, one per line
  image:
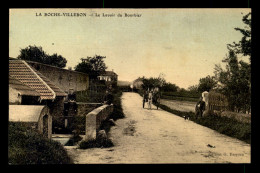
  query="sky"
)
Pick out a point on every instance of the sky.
point(182, 44)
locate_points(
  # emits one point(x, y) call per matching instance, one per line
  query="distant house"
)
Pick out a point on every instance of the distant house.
point(110, 77)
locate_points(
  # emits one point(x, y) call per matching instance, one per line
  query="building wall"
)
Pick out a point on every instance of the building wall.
point(14, 96)
point(56, 106)
point(64, 79)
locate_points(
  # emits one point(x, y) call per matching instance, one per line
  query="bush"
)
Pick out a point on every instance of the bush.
point(26, 146)
point(74, 140)
point(95, 144)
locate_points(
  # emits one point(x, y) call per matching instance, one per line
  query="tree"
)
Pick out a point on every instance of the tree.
point(34, 53)
point(234, 82)
point(93, 66)
point(169, 87)
point(193, 88)
point(244, 45)
point(206, 84)
point(153, 82)
point(57, 60)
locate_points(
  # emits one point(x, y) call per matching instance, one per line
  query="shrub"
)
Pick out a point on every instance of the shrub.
point(95, 144)
point(26, 146)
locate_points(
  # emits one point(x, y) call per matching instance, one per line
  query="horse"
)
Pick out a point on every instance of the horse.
point(156, 98)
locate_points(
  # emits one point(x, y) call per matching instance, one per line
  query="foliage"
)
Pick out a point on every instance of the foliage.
point(193, 88)
point(117, 110)
point(206, 84)
point(34, 53)
point(235, 82)
point(92, 66)
point(169, 87)
point(244, 45)
point(95, 144)
point(26, 146)
point(151, 83)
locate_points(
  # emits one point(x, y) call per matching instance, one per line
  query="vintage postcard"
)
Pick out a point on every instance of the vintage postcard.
point(132, 86)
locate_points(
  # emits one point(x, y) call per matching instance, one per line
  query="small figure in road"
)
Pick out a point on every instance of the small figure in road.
point(200, 108)
point(145, 97)
point(150, 98)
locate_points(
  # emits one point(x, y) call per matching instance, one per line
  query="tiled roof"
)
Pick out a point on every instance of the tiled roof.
point(56, 89)
point(108, 73)
point(26, 74)
point(22, 88)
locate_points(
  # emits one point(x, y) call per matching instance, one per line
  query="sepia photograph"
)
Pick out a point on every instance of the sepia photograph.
point(129, 86)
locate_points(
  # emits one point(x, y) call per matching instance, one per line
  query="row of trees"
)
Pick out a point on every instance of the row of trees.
point(157, 82)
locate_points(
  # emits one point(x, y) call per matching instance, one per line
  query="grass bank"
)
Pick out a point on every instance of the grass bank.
point(26, 146)
point(224, 125)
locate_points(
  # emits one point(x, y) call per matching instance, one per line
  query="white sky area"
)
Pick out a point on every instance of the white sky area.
point(183, 44)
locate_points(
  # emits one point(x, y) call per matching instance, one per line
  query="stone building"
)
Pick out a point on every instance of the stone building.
point(32, 88)
point(33, 83)
point(20, 93)
point(64, 79)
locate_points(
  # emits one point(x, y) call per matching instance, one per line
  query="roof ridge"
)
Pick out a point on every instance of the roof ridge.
point(54, 94)
point(48, 80)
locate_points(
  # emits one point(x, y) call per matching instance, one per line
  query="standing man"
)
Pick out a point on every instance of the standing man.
point(108, 98)
point(150, 98)
point(145, 97)
point(200, 107)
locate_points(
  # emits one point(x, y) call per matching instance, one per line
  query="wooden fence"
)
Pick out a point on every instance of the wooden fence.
point(217, 101)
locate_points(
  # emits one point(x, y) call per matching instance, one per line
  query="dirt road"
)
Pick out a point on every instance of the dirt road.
point(156, 136)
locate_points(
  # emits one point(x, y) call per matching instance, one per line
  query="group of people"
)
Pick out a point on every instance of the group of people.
point(150, 96)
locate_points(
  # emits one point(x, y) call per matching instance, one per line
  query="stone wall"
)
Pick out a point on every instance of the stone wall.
point(94, 120)
point(63, 78)
point(84, 108)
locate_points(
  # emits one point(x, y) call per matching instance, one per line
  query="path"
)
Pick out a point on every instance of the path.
point(156, 136)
